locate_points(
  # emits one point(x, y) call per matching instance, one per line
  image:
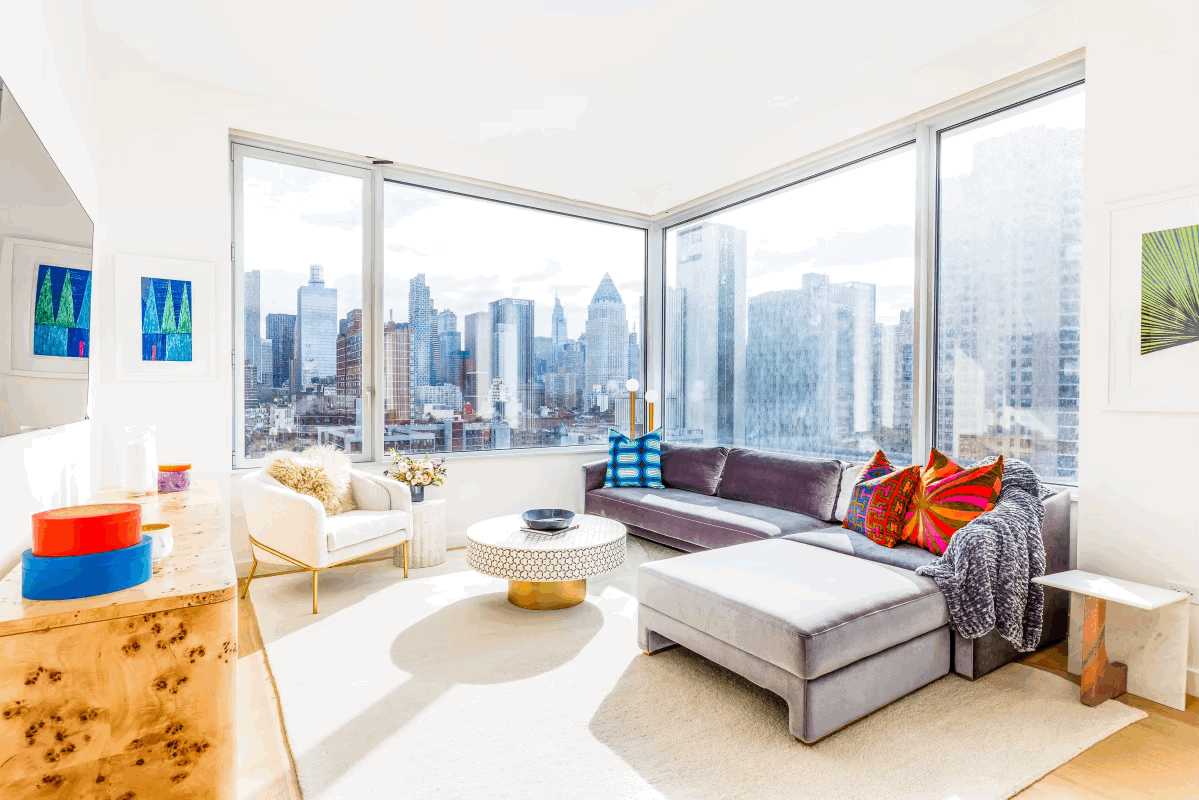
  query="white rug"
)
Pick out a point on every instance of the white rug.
point(437, 687)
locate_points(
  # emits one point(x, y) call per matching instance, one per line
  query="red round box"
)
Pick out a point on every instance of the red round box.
point(83, 530)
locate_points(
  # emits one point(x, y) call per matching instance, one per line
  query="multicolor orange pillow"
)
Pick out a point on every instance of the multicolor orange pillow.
point(947, 498)
point(855, 515)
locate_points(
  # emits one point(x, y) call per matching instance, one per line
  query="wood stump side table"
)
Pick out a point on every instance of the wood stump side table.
point(427, 547)
point(1149, 641)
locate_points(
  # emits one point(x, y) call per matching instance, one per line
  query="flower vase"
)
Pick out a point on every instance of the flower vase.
point(418, 494)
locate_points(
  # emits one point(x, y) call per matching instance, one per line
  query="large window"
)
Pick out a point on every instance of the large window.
point(301, 259)
point(789, 318)
point(376, 315)
point(1009, 263)
point(505, 327)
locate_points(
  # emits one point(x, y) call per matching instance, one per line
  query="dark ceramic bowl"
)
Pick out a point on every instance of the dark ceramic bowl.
point(548, 519)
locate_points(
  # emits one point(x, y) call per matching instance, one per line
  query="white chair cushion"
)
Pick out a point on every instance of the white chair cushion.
point(355, 527)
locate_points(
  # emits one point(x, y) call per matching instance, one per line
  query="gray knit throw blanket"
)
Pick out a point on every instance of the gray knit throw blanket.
point(986, 572)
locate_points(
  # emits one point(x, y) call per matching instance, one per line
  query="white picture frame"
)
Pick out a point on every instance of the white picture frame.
point(130, 269)
point(1167, 380)
point(19, 262)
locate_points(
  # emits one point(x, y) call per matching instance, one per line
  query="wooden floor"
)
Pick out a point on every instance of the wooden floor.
point(1157, 757)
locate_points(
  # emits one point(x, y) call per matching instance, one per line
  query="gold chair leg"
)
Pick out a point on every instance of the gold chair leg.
point(249, 578)
point(314, 574)
point(404, 547)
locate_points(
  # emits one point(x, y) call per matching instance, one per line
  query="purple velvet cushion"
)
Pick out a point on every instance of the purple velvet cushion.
point(692, 467)
point(793, 483)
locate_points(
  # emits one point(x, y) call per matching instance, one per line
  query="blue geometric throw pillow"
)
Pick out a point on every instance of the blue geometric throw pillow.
point(635, 463)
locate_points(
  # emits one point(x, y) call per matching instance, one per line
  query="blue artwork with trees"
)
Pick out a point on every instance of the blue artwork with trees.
point(166, 320)
point(62, 312)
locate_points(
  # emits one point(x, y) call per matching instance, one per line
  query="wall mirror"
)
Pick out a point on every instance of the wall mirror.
point(45, 283)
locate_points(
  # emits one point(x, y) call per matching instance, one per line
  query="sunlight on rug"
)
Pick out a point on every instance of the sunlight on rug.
point(437, 687)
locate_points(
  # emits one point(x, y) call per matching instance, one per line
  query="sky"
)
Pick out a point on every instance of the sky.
point(470, 251)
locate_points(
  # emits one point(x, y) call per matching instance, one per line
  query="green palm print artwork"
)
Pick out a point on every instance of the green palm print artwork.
point(1169, 288)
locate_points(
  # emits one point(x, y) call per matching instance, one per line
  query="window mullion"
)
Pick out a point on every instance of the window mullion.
point(924, 327)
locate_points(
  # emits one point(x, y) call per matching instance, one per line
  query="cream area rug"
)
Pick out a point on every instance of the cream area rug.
point(437, 687)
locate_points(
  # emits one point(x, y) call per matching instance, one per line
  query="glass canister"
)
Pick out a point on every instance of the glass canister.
point(141, 462)
point(175, 476)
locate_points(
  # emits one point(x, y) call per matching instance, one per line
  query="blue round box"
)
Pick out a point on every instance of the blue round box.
point(69, 577)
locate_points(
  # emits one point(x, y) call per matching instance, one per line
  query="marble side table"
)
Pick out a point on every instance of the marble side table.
point(427, 548)
point(1146, 631)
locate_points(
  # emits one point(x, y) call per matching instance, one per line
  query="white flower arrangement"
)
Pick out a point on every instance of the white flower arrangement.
point(416, 472)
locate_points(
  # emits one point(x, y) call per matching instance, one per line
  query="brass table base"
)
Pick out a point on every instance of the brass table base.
point(546, 595)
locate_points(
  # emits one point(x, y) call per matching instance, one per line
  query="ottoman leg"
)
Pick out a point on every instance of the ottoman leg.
point(652, 642)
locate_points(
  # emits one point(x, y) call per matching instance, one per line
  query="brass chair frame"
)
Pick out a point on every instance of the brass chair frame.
point(309, 568)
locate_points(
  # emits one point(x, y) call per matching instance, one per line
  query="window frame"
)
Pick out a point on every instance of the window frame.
point(376, 175)
point(923, 131)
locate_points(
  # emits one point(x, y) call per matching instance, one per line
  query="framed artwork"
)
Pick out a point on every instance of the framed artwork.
point(1153, 321)
point(166, 318)
point(49, 297)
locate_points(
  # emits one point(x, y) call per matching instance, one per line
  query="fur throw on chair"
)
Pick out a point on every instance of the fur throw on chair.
point(321, 472)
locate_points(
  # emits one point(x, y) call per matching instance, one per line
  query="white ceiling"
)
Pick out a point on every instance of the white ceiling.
point(635, 104)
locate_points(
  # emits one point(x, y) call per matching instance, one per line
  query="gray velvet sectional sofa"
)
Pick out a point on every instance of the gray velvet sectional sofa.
point(779, 592)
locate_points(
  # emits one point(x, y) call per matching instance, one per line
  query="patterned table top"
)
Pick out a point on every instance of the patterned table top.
point(500, 548)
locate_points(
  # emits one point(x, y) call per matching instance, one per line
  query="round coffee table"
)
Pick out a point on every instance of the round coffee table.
point(545, 570)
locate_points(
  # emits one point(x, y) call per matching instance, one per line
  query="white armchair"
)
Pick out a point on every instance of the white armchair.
point(291, 528)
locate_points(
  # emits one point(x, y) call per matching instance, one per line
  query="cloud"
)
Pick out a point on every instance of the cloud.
point(403, 248)
point(569, 289)
point(631, 286)
point(348, 220)
point(400, 200)
point(552, 268)
point(845, 248)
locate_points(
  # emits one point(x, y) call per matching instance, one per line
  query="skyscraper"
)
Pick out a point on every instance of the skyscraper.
point(397, 373)
point(349, 356)
point(558, 336)
point(707, 310)
point(253, 323)
point(316, 331)
point(607, 339)
point(420, 324)
point(450, 342)
point(478, 342)
point(512, 360)
point(281, 330)
point(634, 354)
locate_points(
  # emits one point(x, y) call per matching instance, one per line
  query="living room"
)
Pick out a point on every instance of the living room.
point(763, 243)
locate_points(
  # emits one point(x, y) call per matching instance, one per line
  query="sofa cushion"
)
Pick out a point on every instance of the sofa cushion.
point(355, 527)
point(692, 467)
point(696, 518)
point(804, 609)
point(850, 475)
point(792, 483)
point(907, 556)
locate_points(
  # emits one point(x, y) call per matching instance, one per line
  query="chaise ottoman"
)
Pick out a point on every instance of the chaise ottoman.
point(835, 636)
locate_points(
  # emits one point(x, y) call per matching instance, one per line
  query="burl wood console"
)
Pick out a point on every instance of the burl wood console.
point(131, 694)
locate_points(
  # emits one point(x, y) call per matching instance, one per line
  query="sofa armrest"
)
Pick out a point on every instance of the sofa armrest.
point(284, 520)
point(1055, 532)
point(594, 473)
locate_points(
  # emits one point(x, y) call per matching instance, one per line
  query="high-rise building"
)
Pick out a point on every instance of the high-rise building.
point(281, 330)
point(512, 356)
point(558, 336)
point(421, 322)
point(349, 356)
point(450, 343)
point(397, 373)
point(543, 353)
point(477, 341)
point(634, 354)
point(1008, 302)
point(707, 308)
point(253, 324)
point(607, 339)
point(316, 331)
point(811, 364)
point(573, 363)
